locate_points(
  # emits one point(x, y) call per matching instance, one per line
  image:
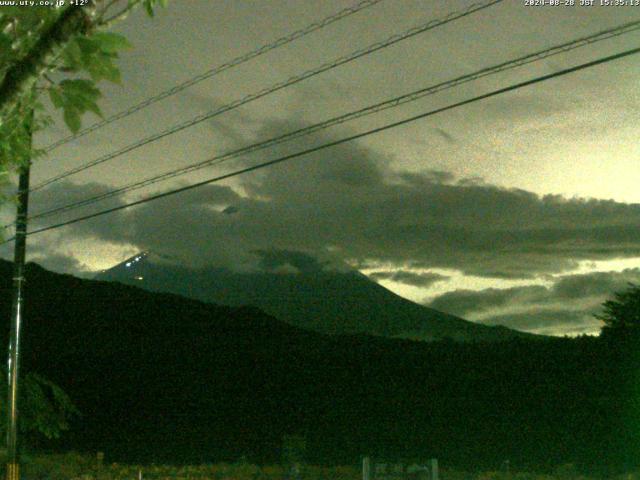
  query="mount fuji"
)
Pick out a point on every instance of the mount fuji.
point(306, 295)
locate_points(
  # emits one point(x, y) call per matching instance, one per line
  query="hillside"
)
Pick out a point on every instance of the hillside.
point(325, 301)
point(162, 378)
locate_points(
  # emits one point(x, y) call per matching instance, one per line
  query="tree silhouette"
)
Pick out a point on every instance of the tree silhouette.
point(621, 314)
point(46, 410)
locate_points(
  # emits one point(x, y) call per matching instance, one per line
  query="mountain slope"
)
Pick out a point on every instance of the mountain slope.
point(324, 301)
point(158, 375)
point(163, 378)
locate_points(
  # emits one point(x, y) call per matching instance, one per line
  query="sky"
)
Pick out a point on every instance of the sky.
point(519, 210)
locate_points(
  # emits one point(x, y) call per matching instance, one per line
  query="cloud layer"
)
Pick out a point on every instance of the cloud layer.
point(568, 306)
point(346, 200)
point(348, 204)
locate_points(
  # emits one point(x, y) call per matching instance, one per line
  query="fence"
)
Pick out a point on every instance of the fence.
point(398, 471)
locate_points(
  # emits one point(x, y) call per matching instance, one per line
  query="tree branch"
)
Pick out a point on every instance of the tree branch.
point(121, 14)
point(22, 76)
point(106, 8)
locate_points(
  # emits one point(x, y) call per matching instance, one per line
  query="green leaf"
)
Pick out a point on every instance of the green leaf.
point(148, 5)
point(45, 407)
point(15, 144)
point(6, 51)
point(93, 107)
point(102, 67)
point(112, 74)
point(95, 55)
point(56, 97)
point(29, 18)
point(78, 96)
point(111, 42)
point(87, 45)
point(72, 55)
point(72, 119)
point(82, 88)
point(11, 11)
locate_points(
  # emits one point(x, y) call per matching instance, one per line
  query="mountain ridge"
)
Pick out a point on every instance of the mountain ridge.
point(162, 378)
point(326, 301)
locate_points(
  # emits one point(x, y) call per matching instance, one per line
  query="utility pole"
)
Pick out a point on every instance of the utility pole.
point(13, 465)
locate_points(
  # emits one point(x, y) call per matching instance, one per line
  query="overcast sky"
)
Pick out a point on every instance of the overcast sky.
point(521, 210)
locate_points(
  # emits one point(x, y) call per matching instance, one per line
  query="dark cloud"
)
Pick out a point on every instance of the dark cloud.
point(409, 278)
point(64, 193)
point(568, 305)
point(594, 284)
point(557, 322)
point(445, 135)
point(346, 200)
point(527, 107)
point(465, 302)
point(274, 260)
point(230, 210)
point(60, 263)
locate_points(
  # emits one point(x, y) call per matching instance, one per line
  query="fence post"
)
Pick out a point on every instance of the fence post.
point(434, 469)
point(293, 453)
point(366, 468)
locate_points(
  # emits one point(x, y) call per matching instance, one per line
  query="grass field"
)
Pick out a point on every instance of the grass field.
point(77, 467)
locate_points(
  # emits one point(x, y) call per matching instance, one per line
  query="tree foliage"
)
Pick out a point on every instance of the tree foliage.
point(621, 315)
point(63, 52)
point(44, 407)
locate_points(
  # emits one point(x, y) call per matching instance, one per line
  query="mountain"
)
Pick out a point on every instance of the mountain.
point(322, 300)
point(163, 378)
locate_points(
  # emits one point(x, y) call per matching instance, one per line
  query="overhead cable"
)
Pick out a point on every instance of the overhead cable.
point(274, 88)
point(346, 12)
point(369, 110)
point(334, 143)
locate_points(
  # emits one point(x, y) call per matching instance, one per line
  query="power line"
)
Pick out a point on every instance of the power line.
point(216, 70)
point(376, 108)
point(341, 141)
point(274, 88)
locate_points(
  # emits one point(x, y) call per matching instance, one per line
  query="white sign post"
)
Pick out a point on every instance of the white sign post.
point(366, 468)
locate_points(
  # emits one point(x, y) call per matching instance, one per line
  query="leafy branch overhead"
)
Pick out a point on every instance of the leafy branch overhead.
point(63, 51)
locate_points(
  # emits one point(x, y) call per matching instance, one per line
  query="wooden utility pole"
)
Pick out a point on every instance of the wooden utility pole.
point(13, 463)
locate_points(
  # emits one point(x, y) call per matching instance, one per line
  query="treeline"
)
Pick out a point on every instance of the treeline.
point(160, 378)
